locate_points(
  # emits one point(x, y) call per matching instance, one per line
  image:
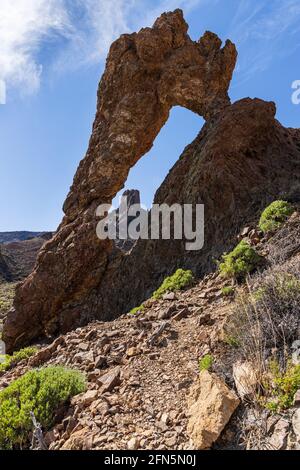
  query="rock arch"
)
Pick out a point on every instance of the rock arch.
point(146, 74)
point(242, 159)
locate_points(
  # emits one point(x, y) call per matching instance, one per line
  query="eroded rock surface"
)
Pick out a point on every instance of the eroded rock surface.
point(242, 159)
point(211, 405)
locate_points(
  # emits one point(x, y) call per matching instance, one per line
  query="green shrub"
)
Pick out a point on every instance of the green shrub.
point(232, 341)
point(240, 261)
point(206, 362)
point(40, 391)
point(136, 310)
point(275, 215)
point(282, 386)
point(227, 291)
point(179, 280)
point(10, 361)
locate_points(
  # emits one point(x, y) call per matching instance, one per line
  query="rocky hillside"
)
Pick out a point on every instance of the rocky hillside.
point(183, 371)
point(157, 347)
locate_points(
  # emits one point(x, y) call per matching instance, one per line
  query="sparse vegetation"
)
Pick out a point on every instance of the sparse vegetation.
point(228, 291)
point(7, 293)
point(41, 391)
point(10, 361)
point(206, 362)
point(268, 317)
point(240, 261)
point(136, 310)
point(232, 341)
point(263, 326)
point(275, 215)
point(280, 386)
point(179, 280)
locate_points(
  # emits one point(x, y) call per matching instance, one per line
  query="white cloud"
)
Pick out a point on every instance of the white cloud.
point(87, 28)
point(24, 25)
point(264, 31)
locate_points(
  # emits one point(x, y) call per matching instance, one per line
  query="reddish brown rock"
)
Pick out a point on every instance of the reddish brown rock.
point(242, 159)
point(146, 74)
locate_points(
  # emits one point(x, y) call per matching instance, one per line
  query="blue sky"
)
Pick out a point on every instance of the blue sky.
point(52, 55)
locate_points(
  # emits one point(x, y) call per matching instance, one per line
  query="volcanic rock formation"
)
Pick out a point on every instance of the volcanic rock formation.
point(242, 159)
point(129, 198)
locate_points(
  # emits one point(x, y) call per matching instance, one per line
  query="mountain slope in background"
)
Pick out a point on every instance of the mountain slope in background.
point(18, 254)
point(7, 237)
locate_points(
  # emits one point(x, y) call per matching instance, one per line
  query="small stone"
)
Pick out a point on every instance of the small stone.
point(181, 314)
point(296, 344)
point(133, 444)
point(112, 334)
point(169, 296)
point(165, 418)
point(83, 346)
point(167, 313)
point(131, 352)
point(91, 335)
point(99, 362)
point(102, 342)
point(184, 384)
point(205, 319)
point(89, 397)
point(171, 442)
point(50, 437)
point(278, 439)
point(110, 380)
point(245, 231)
point(297, 398)
point(245, 378)
point(296, 357)
point(296, 424)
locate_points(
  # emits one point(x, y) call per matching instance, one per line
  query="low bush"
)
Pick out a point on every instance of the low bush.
point(206, 362)
point(268, 317)
point(10, 361)
point(275, 215)
point(240, 261)
point(281, 386)
point(179, 280)
point(136, 310)
point(41, 391)
point(227, 291)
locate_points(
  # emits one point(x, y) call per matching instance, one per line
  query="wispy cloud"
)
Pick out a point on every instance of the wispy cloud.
point(264, 31)
point(24, 25)
point(85, 29)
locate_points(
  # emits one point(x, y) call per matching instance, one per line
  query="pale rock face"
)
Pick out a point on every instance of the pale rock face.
point(210, 406)
point(296, 424)
point(278, 440)
point(245, 378)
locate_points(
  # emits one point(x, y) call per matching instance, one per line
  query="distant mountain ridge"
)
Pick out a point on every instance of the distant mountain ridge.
point(8, 237)
point(18, 253)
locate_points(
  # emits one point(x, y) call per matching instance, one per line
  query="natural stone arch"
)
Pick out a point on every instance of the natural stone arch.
point(146, 74)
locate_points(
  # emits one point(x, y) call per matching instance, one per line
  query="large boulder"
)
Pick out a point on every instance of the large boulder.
point(210, 406)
